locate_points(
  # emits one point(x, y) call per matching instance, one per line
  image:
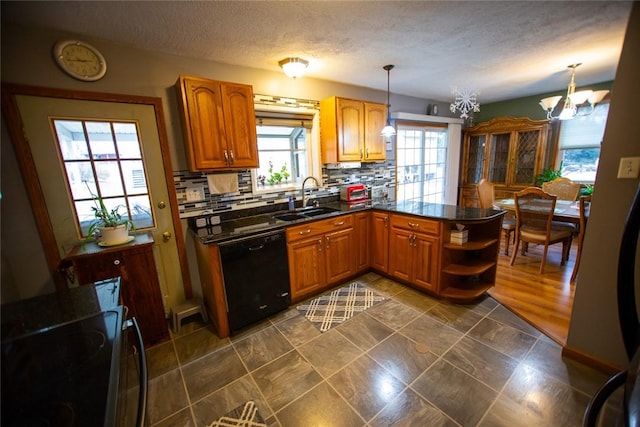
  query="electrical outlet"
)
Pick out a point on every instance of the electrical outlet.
point(194, 194)
point(629, 167)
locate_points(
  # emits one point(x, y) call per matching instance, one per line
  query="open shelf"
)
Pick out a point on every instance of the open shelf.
point(469, 269)
point(471, 245)
point(469, 293)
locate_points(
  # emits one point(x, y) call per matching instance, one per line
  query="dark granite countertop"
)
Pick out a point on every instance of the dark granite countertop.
point(44, 311)
point(260, 223)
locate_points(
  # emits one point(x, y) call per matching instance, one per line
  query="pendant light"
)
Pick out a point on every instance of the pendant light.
point(388, 131)
point(573, 100)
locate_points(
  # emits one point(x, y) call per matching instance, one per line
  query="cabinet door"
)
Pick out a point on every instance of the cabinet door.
point(362, 237)
point(425, 251)
point(141, 294)
point(339, 255)
point(306, 267)
point(499, 151)
point(527, 156)
point(375, 118)
point(240, 125)
point(380, 241)
point(400, 254)
point(350, 124)
point(203, 122)
point(473, 167)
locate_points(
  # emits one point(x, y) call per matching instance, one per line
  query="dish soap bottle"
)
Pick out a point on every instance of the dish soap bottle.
point(292, 203)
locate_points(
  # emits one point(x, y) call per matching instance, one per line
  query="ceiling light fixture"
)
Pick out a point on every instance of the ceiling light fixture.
point(465, 100)
point(294, 67)
point(388, 131)
point(573, 101)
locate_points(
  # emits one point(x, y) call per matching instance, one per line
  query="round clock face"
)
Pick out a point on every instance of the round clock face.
point(80, 60)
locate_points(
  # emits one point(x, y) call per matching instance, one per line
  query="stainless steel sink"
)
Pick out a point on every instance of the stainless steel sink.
point(305, 213)
point(289, 216)
point(317, 211)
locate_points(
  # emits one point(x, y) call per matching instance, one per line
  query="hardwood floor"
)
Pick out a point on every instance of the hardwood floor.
point(543, 300)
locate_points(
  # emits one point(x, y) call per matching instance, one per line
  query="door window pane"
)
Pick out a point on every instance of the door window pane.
point(421, 164)
point(104, 158)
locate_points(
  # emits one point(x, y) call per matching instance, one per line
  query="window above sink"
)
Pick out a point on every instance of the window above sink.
point(290, 137)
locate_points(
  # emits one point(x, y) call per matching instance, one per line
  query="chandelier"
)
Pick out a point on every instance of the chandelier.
point(465, 101)
point(388, 131)
point(573, 100)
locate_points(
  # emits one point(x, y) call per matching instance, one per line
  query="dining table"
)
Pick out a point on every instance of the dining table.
point(565, 211)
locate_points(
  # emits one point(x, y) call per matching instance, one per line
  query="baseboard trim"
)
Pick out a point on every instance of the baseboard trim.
point(591, 361)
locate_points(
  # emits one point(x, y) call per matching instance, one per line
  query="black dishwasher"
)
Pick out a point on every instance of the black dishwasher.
point(256, 277)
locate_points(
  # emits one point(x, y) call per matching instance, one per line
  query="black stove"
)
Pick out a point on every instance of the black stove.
point(60, 358)
point(62, 376)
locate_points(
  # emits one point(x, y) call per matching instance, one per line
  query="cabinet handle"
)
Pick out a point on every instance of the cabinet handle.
point(328, 241)
point(233, 158)
point(367, 155)
point(116, 262)
point(263, 306)
point(319, 245)
point(307, 231)
point(361, 153)
point(226, 157)
point(386, 222)
point(336, 224)
point(413, 225)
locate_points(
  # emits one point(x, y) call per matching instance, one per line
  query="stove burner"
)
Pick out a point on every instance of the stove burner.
point(59, 376)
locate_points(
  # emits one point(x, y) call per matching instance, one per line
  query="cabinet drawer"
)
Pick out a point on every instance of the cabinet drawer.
point(415, 224)
point(323, 226)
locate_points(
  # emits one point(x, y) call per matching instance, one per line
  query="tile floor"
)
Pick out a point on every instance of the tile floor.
point(411, 360)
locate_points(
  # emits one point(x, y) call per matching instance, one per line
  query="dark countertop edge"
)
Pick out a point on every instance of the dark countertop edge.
point(407, 208)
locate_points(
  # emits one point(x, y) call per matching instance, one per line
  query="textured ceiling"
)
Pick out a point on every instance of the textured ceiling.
point(502, 49)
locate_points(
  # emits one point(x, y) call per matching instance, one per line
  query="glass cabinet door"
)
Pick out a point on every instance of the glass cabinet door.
point(475, 159)
point(499, 158)
point(525, 157)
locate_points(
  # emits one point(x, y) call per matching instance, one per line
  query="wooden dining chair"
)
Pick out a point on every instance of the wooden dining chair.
point(534, 224)
point(585, 206)
point(563, 188)
point(486, 198)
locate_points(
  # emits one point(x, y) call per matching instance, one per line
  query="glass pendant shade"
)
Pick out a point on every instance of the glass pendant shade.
point(388, 131)
point(294, 67)
point(550, 102)
point(578, 98)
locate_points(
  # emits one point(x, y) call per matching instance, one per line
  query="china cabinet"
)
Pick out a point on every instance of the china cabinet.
point(350, 130)
point(219, 124)
point(506, 151)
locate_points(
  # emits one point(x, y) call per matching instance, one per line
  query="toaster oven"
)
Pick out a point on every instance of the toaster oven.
point(354, 193)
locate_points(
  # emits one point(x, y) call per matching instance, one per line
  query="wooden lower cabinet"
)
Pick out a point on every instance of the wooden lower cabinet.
point(321, 254)
point(362, 233)
point(414, 250)
point(379, 241)
point(140, 290)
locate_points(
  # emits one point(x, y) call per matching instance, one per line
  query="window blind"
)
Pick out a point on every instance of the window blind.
point(584, 131)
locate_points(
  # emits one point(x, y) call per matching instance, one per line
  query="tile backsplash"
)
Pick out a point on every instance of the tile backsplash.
point(373, 174)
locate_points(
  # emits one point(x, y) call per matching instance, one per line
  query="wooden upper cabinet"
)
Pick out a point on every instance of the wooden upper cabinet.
point(507, 151)
point(219, 124)
point(350, 130)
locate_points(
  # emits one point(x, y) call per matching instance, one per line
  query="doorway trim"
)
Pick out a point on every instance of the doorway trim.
point(34, 190)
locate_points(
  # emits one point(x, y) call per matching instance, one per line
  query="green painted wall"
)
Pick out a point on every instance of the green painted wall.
point(528, 106)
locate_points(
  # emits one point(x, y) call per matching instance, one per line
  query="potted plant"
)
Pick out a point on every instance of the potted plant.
point(547, 175)
point(113, 227)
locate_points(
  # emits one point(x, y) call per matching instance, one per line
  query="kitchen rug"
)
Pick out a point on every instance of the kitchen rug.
point(330, 310)
point(245, 415)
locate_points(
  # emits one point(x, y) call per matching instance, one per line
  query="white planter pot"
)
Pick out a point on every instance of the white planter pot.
point(114, 235)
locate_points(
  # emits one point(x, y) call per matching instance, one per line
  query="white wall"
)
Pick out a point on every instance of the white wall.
point(594, 326)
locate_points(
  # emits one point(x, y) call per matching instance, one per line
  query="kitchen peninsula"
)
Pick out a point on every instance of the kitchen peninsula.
point(447, 251)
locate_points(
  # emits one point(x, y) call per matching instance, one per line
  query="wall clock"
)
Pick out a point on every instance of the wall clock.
point(80, 60)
